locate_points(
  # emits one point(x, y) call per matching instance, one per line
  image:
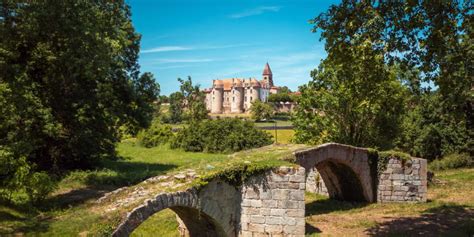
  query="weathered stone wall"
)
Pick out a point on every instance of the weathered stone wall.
point(403, 181)
point(315, 183)
point(273, 204)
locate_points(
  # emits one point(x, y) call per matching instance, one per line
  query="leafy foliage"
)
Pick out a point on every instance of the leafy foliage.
point(155, 135)
point(222, 135)
point(452, 161)
point(430, 133)
point(358, 102)
point(261, 111)
point(416, 41)
point(280, 97)
point(193, 100)
point(176, 108)
point(69, 79)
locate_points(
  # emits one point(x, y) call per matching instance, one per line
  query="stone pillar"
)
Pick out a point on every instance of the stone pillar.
point(403, 181)
point(273, 204)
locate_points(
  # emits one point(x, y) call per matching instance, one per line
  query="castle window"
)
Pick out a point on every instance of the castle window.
point(250, 90)
point(232, 91)
point(250, 98)
point(213, 92)
point(227, 99)
point(233, 99)
point(245, 98)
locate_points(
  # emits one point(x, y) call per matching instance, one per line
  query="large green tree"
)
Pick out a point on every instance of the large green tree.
point(68, 79)
point(427, 42)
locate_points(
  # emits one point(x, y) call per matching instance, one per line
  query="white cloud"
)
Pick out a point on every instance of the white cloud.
point(255, 11)
point(166, 49)
point(187, 48)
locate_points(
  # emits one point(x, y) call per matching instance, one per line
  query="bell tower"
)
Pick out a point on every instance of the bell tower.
point(267, 75)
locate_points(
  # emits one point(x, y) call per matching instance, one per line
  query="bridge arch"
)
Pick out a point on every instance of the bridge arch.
point(344, 169)
point(212, 211)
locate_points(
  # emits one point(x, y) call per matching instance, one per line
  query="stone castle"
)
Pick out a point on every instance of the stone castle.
point(235, 95)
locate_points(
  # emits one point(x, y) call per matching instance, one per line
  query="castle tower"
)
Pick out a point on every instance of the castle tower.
point(217, 96)
point(268, 75)
point(237, 96)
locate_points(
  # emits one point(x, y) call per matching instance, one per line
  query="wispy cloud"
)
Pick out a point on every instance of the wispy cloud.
point(166, 49)
point(187, 48)
point(255, 11)
point(177, 60)
point(185, 60)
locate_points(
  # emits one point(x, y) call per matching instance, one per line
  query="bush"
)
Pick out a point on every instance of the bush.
point(40, 184)
point(155, 135)
point(222, 135)
point(261, 111)
point(452, 161)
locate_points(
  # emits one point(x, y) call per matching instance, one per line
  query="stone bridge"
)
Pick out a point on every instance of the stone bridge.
point(273, 203)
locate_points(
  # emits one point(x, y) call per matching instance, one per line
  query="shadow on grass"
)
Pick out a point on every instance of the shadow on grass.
point(20, 219)
point(323, 206)
point(446, 220)
point(116, 174)
point(309, 229)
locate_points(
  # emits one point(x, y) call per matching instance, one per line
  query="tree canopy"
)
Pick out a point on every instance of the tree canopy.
point(380, 47)
point(68, 79)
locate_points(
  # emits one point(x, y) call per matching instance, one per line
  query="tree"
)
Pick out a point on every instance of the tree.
point(280, 97)
point(176, 107)
point(193, 100)
point(260, 110)
point(68, 79)
point(428, 41)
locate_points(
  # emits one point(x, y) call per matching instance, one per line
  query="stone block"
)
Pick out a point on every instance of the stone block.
point(289, 204)
point(257, 219)
point(295, 213)
point(270, 203)
point(265, 211)
point(255, 203)
point(297, 195)
point(250, 193)
point(277, 212)
point(280, 194)
point(273, 229)
point(279, 178)
point(251, 211)
point(256, 227)
point(289, 221)
point(297, 178)
point(273, 220)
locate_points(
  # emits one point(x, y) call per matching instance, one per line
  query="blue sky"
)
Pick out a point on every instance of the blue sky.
point(212, 39)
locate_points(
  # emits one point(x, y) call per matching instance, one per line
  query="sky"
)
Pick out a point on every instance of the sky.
point(217, 39)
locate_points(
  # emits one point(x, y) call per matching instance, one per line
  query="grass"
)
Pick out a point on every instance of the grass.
point(162, 223)
point(284, 136)
point(449, 212)
point(274, 123)
point(72, 210)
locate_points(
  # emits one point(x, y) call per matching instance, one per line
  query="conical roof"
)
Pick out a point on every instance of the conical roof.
point(267, 70)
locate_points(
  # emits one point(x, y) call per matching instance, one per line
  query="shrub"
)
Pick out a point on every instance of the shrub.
point(222, 135)
point(260, 110)
point(40, 184)
point(452, 161)
point(155, 135)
